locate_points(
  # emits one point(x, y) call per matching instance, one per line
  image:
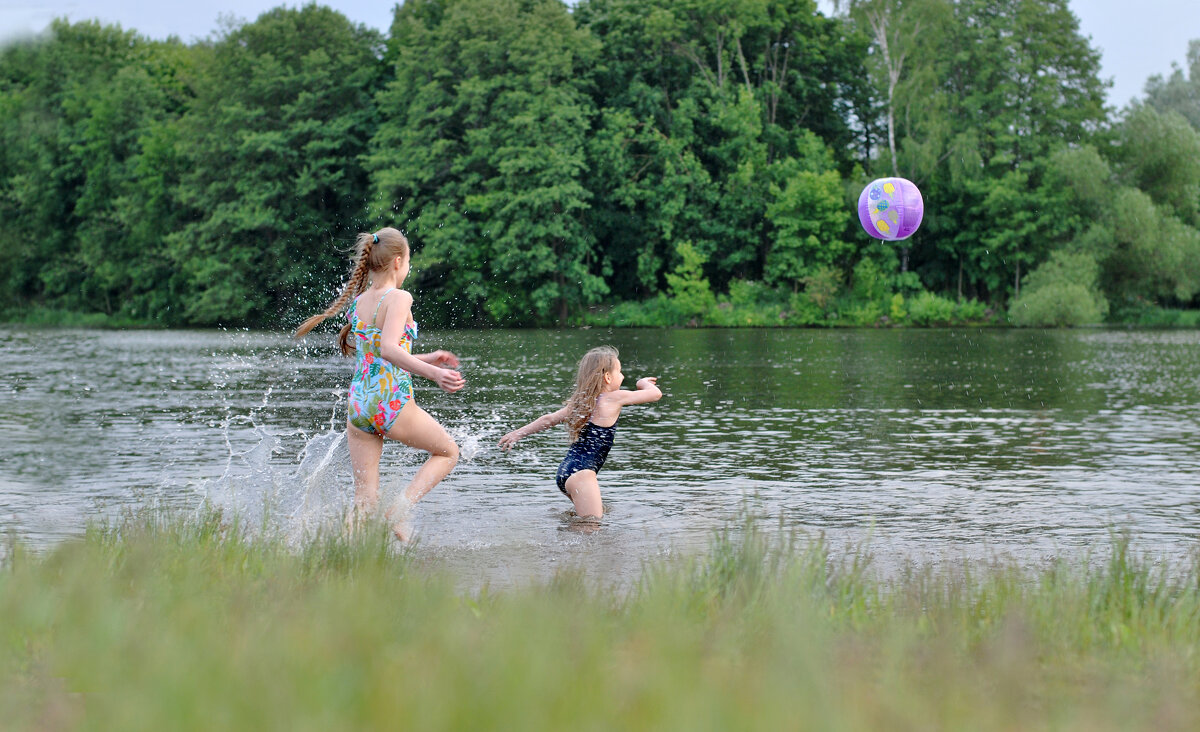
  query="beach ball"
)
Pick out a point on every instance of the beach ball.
point(890, 208)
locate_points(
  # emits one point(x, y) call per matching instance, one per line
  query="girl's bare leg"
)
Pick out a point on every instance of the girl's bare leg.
point(365, 450)
point(584, 491)
point(416, 428)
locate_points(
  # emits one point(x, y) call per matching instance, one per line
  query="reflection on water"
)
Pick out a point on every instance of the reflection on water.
point(932, 444)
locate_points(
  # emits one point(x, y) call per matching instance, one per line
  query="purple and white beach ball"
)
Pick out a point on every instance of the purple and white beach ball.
point(890, 208)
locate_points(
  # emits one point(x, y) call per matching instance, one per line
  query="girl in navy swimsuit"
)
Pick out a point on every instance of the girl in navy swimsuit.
point(591, 416)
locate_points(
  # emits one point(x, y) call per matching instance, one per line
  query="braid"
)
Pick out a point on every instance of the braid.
point(358, 278)
point(354, 287)
point(374, 253)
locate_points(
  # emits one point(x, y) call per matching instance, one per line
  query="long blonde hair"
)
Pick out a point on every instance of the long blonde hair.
point(589, 385)
point(373, 253)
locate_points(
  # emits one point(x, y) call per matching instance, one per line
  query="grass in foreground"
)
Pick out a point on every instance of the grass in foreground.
point(172, 624)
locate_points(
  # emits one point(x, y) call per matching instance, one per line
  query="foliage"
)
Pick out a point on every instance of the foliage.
point(1003, 86)
point(83, 115)
point(823, 302)
point(1148, 253)
point(1142, 313)
point(1061, 292)
point(930, 309)
point(1159, 153)
point(709, 112)
point(1179, 93)
point(687, 286)
point(822, 286)
point(972, 311)
point(809, 220)
point(556, 163)
point(271, 146)
point(1144, 250)
point(482, 157)
point(871, 283)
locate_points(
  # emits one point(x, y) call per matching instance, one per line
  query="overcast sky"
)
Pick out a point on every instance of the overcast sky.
point(1136, 39)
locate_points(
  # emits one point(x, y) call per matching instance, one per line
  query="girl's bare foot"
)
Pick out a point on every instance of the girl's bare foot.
point(400, 517)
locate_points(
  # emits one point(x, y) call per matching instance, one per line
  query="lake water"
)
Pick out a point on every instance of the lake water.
point(930, 445)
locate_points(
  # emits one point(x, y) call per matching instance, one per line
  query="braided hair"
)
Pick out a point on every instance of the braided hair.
point(373, 252)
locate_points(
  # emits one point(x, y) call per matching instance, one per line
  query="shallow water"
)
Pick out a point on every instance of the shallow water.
point(932, 445)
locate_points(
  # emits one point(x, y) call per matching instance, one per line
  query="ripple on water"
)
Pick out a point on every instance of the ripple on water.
point(927, 444)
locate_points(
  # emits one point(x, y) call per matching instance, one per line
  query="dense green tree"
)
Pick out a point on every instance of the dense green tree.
point(272, 175)
point(1016, 80)
point(1150, 254)
point(901, 64)
point(545, 158)
point(650, 190)
point(1063, 291)
point(1143, 250)
point(481, 152)
point(908, 40)
point(130, 168)
point(1078, 186)
point(707, 107)
point(73, 106)
point(808, 216)
point(1159, 152)
point(687, 285)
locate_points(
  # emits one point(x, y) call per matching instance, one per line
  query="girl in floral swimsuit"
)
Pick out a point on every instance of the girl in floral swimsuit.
point(379, 389)
point(381, 403)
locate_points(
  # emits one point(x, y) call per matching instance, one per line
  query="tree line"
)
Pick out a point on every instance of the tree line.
point(615, 161)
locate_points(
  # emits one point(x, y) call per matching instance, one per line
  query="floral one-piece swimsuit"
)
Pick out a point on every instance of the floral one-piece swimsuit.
point(379, 389)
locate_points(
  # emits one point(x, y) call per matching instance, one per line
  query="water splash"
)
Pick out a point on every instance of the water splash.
point(294, 499)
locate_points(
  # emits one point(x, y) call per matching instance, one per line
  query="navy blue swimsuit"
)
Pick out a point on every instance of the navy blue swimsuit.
point(587, 453)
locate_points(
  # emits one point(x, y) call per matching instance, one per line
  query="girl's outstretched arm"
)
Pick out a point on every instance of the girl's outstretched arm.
point(396, 312)
point(647, 391)
point(543, 422)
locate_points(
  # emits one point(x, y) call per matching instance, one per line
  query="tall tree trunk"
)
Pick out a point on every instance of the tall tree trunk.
point(893, 63)
point(745, 70)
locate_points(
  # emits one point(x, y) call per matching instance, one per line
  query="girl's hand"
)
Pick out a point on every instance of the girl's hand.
point(509, 440)
point(445, 358)
point(448, 380)
point(647, 382)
